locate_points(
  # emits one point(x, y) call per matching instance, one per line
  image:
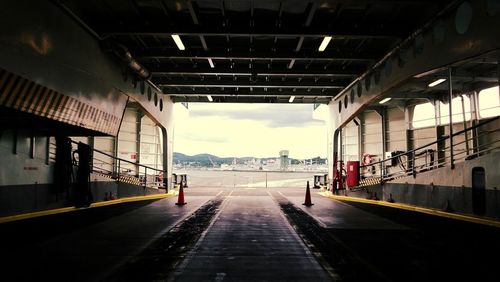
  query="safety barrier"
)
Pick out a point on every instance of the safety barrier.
point(109, 166)
point(477, 140)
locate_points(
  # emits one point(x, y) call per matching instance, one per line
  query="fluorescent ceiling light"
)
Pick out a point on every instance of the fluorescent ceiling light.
point(210, 98)
point(325, 42)
point(291, 99)
point(178, 42)
point(385, 100)
point(436, 82)
point(211, 63)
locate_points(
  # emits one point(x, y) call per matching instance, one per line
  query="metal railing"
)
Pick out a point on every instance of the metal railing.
point(477, 141)
point(127, 171)
point(121, 170)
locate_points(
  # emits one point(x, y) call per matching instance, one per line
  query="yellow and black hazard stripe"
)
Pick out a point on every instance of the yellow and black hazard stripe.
point(106, 175)
point(25, 95)
point(376, 180)
point(369, 181)
point(123, 178)
point(130, 180)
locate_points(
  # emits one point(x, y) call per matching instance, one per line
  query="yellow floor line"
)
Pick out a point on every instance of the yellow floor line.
point(93, 205)
point(456, 216)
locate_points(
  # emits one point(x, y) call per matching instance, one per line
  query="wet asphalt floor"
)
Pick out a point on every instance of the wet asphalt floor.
point(248, 234)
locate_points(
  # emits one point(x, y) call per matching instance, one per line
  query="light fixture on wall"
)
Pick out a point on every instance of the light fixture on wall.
point(178, 42)
point(291, 99)
point(210, 98)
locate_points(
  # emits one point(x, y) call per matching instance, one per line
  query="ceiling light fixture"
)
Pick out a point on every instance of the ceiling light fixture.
point(385, 100)
point(324, 43)
point(436, 82)
point(211, 63)
point(210, 98)
point(291, 99)
point(178, 42)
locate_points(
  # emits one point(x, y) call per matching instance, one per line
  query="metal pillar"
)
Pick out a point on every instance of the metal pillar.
point(409, 136)
point(465, 126)
point(357, 122)
point(383, 118)
point(116, 164)
point(32, 144)
point(474, 108)
point(166, 177)
point(440, 133)
point(498, 76)
point(138, 128)
point(450, 97)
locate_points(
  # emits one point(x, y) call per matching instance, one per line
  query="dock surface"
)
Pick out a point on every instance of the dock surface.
point(245, 234)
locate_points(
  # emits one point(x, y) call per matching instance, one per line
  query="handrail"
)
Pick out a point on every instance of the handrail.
point(122, 160)
point(444, 138)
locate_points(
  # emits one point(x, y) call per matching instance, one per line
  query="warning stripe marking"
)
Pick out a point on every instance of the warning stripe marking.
point(26, 95)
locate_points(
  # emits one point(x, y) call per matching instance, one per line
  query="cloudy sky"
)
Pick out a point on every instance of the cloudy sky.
point(257, 130)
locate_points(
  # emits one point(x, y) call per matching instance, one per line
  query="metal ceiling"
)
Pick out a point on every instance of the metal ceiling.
point(262, 51)
point(467, 76)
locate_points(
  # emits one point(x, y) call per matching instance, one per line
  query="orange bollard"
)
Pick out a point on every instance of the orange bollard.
point(180, 200)
point(308, 196)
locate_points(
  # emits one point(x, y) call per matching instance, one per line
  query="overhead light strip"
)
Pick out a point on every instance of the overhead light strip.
point(324, 43)
point(385, 100)
point(436, 82)
point(178, 42)
point(211, 63)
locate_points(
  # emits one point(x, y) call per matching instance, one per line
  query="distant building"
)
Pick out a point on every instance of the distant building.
point(284, 161)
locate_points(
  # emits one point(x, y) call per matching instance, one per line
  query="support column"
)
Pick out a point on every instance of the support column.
point(498, 76)
point(383, 117)
point(440, 133)
point(116, 169)
point(166, 177)
point(32, 144)
point(474, 109)
point(466, 134)
point(409, 136)
point(138, 128)
point(90, 142)
point(450, 107)
point(357, 121)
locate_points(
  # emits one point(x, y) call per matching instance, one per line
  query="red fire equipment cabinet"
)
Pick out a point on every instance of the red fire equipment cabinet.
point(352, 173)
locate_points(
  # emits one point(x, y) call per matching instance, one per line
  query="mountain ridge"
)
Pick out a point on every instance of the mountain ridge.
point(205, 159)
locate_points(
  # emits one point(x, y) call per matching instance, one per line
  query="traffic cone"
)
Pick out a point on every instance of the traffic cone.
point(308, 196)
point(180, 200)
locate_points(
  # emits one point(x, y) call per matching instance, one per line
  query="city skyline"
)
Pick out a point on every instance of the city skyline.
point(249, 130)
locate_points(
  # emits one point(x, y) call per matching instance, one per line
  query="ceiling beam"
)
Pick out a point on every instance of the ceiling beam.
point(270, 74)
point(194, 17)
point(235, 91)
point(248, 99)
point(245, 71)
point(343, 32)
point(243, 84)
point(323, 56)
point(250, 81)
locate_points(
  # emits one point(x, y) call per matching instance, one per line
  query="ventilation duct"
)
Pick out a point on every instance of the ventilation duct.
point(123, 54)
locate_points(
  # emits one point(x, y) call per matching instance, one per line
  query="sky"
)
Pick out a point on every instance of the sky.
point(489, 102)
point(249, 130)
